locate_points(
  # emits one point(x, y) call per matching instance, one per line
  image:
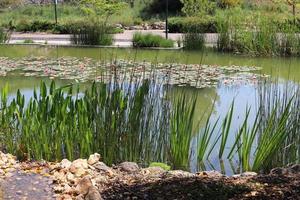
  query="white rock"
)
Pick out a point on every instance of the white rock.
point(94, 158)
point(83, 185)
point(65, 164)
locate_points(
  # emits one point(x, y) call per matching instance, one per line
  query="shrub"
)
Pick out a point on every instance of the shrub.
point(4, 35)
point(229, 3)
point(193, 41)
point(150, 40)
point(184, 24)
point(92, 33)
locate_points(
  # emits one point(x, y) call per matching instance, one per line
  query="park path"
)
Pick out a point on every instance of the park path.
point(23, 186)
point(121, 39)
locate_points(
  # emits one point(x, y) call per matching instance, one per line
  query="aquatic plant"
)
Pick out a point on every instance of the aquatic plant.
point(193, 41)
point(91, 33)
point(4, 35)
point(150, 40)
point(181, 129)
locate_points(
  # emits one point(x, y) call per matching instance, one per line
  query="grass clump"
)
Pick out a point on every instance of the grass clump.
point(4, 35)
point(193, 41)
point(91, 33)
point(150, 40)
point(161, 165)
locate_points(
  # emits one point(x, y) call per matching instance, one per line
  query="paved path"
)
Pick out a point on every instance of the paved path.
point(25, 186)
point(121, 39)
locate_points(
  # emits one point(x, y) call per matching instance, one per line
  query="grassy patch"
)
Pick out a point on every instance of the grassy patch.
point(150, 40)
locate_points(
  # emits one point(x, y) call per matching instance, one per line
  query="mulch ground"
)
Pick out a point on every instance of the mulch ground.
point(262, 187)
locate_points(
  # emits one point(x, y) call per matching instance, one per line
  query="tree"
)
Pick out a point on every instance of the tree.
point(229, 3)
point(101, 8)
point(197, 7)
point(9, 3)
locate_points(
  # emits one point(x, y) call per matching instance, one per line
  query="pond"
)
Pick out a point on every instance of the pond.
point(216, 98)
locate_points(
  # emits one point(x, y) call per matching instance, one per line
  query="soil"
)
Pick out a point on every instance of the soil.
point(262, 187)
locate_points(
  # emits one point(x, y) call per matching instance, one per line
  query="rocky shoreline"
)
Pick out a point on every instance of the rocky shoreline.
point(91, 179)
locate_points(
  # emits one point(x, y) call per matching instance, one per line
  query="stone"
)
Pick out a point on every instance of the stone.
point(65, 164)
point(94, 158)
point(213, 173)
point(66, 197)
point(295, 168)
point(278, 171)
point(100, 166)
point(79, 167)
point(70, 177)
point(83, 185)
point(248, 174)
point(179, 174)
point(80, 197)
point(128, 167)
point(153, 171)
point(93, 194)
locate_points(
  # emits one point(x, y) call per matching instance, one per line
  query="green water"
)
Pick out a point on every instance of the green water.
point(286, 69)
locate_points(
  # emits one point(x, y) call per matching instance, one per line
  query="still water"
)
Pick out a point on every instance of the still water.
point(218, 99)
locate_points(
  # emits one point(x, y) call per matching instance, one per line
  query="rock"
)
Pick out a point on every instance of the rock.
point(66, 197)
point(93, 194)
point(295, 168)
point(59, 177)
point(70, 177)
point(153, 171)
point(213, 173)
point(83, 185)
point(278, 171)
point(129, 167)
point(79, 167)
point(65, 164)
point(80, 197)
point(100, 166)
point(179, 174)
point(248, 174)
point(94, 158)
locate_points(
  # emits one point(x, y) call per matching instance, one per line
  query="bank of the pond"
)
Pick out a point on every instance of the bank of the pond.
point(92, 179)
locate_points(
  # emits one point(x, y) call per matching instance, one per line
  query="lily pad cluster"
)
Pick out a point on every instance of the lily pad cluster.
point(87, 69)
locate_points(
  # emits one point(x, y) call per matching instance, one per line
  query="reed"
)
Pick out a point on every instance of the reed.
point(91, 33)
point(4, 35)
point(151, 40)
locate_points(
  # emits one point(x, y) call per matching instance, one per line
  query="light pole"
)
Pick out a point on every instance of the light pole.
point(167, 13)
point(55, 11)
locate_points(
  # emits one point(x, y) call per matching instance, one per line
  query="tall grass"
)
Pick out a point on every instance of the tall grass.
point(91, 33)
point(4, 35)
point(262, 37)
point(193, 41)
point(151, 40)
point(137, 121)
point(181, 130)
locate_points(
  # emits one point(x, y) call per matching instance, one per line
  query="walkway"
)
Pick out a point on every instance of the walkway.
point(122, 39)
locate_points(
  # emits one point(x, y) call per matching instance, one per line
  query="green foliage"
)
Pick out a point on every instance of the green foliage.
point(150, 40)
point(181, 127)
point(161, 165)
point(91, 33)
point(229, 3)
point(101, 7)
point(192, 24)
point(198, 7)
point(4, 35)
point(9, 3)
point(28, 41)
point(193, 41)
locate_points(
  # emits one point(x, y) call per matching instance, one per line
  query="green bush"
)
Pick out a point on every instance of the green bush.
point(193, 41)
point(150, 40)
point(184, 24)
point(91, 33)
point(4, 35)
